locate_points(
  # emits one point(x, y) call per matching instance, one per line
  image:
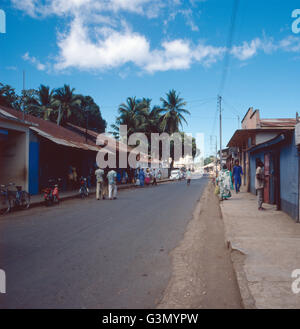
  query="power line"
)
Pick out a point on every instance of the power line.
point(229, 45)
point(231, 107)
point(201, 100)
point(214, 122)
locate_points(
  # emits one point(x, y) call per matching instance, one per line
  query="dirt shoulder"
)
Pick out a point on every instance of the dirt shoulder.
point(203, 275)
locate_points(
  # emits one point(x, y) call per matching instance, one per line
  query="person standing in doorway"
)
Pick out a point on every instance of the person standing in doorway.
point(99, 184)
point(236, 173)
point(259, 183)
point(112, 184)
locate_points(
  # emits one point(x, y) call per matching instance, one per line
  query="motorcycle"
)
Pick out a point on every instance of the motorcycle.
point(83, 191)
point(51, 193)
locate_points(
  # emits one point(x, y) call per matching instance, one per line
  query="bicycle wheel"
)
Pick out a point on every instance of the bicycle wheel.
point(4, 205)
point(25, 201)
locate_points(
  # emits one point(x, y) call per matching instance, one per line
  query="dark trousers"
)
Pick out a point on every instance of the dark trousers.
point(237, 183)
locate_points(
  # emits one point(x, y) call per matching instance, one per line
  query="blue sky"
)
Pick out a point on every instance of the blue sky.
point(112, 49)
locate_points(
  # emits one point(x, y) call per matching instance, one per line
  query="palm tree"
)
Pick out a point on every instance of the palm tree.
point(8, 96)
point(173, 118)
point(43, 103)
point(66, 101)
point(173, 108)
point(130, 114)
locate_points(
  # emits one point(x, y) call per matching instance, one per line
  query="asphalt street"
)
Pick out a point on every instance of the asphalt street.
point(96, 254)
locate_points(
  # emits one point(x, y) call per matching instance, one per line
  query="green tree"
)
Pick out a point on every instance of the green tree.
point(42, 104)
point(8, 96)
point(67, 102)
point(87, 115)
point(209, 160)
point(173, 108)
point(131, 114)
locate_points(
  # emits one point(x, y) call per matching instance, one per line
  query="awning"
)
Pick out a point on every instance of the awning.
point(278, 139)
point(64, 142)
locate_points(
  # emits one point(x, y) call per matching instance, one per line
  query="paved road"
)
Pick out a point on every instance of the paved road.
point(96, 254)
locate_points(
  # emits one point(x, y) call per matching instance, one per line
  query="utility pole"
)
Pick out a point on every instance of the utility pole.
point(220, 110)
point(216, 156)
point(238, 117)
point(23, 98)
point(87, 123)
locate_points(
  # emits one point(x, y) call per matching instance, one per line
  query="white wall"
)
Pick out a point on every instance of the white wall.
point(14, 153)
point(266, 136)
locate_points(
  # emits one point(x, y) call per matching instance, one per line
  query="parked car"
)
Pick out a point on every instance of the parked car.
point(175, 174)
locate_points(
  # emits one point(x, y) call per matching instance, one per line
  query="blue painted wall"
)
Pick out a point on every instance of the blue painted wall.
point(289, 164)
point(34, 150)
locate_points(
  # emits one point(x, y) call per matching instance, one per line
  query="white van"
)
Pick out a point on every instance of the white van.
point(175, 174)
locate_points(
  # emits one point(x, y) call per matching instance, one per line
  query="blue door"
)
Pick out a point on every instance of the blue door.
point(34, 150)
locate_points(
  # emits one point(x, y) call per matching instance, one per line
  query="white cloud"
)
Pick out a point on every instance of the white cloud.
point(113, 49)
point(249, 49)
point(35, 8)
point(290, 44)
point(99, 38)
point(33, 60)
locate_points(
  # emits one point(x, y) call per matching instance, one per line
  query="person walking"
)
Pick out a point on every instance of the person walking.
point(159, 175)
point(142, 177)
point(99, 184)
point(259, 183)
point(236, 173)
point(154, 176)
point(188, 177)
point(224, 181)
point(112, 184)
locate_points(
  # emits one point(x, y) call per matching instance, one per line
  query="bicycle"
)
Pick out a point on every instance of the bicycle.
point(13, 199)
point(5, 203)
point(21, 198)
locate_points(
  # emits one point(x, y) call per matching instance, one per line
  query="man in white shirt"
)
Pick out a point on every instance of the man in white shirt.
point(99, 184)
point(112, 184)
point(259, 183)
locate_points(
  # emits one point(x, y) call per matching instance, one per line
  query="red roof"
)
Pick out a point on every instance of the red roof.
point(52, 131)
point(281, 123)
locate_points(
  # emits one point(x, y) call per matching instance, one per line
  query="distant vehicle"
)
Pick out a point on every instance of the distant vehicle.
point(175, 174)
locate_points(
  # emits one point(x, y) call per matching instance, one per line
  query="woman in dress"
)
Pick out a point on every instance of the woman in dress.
point(224, 181)
point(147, 177)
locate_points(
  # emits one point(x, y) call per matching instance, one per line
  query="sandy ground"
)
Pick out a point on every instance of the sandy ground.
point(203, 275)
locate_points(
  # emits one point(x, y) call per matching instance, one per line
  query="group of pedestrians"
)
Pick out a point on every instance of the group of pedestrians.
point(106, 181)
point(147, 176)
point(226, 178)
point(106, 184)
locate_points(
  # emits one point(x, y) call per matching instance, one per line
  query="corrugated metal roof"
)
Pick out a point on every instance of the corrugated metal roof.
point(51, 131)
point(8, 117)
point(120, 146)
point(282, 123)
point(65, 142)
